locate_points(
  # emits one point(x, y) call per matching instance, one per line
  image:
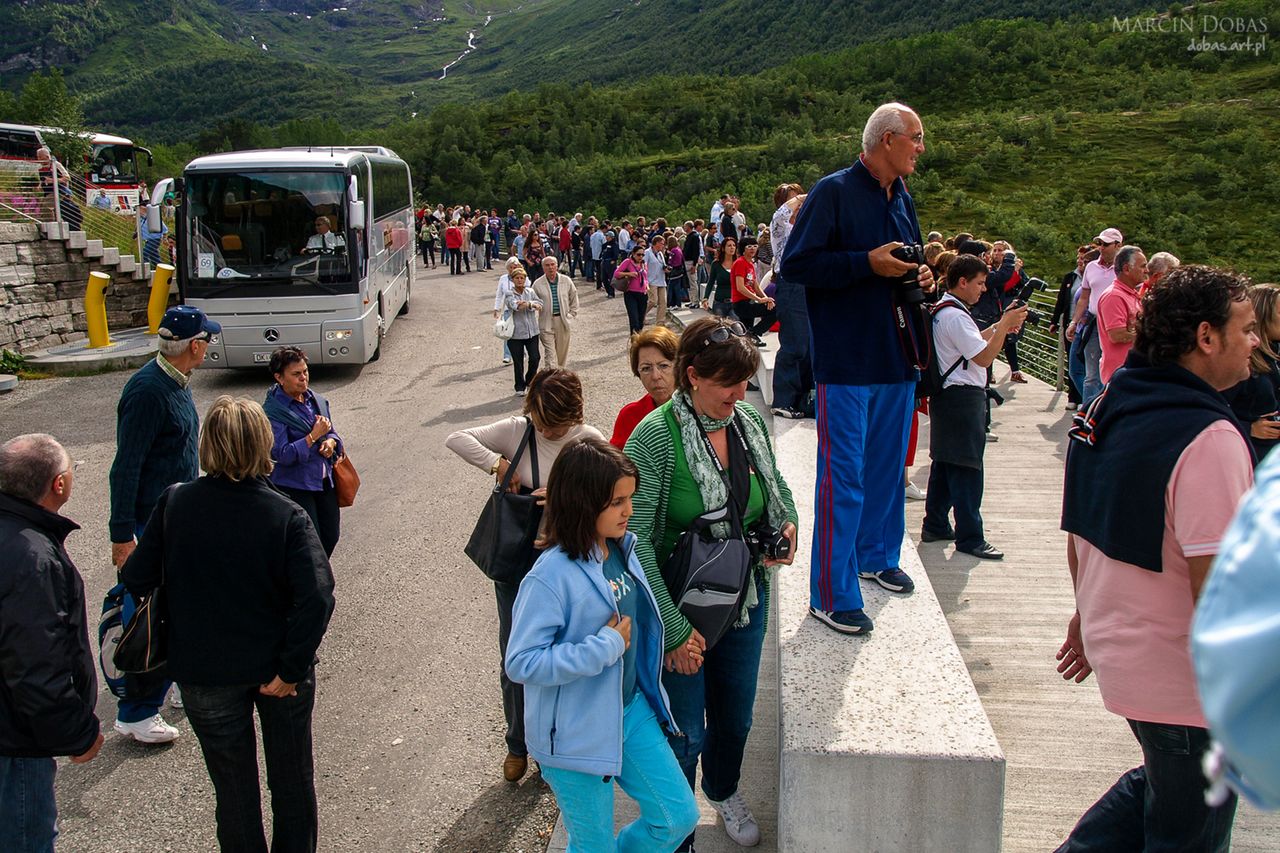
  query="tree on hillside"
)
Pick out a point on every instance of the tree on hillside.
point(45, 101)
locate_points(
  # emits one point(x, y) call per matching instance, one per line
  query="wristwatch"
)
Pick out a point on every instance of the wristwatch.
point(497, 462)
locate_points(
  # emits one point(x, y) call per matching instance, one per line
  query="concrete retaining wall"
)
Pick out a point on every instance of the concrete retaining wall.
point(42, 284)
point(885, 745)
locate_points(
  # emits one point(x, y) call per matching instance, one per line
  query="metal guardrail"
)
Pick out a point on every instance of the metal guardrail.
point(24, 198)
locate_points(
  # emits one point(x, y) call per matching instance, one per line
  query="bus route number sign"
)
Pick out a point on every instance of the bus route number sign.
point(204, 265)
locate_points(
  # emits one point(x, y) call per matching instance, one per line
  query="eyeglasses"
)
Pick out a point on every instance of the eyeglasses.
point(660, 367)
point(918, 138)
point(723, 333)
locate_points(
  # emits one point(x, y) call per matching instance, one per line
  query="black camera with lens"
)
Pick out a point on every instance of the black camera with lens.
point(1022, 296)
point(768, 543)
point(908, 286)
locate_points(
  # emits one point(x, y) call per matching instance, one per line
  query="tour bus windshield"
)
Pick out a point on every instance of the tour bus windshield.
point(273, 229)
point(113, 164)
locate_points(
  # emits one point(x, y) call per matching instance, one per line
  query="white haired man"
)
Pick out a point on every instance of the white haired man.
point(840, 251)
point(156, 446)
point(46, 707)
point(1159, 265)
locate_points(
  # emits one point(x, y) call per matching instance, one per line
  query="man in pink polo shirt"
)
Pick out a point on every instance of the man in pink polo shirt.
point(1097, 277)
point(1118, 310)
point(1145, 519)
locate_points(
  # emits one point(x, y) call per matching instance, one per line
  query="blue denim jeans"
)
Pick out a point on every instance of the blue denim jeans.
point(28, 812)
point(793, 370)
point(713, 707)
point(1092, 365)
point(650, 776)
point(222, 718)
point(1158, 807)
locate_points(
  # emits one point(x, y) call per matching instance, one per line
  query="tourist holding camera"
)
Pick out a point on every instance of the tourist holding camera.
point(866, 345)
point(712, 690)
point(958, 412)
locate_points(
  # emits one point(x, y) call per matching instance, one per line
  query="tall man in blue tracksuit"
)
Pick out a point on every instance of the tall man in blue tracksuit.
point(865, 348)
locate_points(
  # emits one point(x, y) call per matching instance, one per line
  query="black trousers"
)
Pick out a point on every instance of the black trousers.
point(764, 317)
point(222, 718)
point(322, 506)
point(455, 262)
point(512, 693)
point(519, 347)
point(637, 305)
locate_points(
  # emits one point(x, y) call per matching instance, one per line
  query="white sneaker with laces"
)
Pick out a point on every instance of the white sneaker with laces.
point(152, 730)
point(914, 492)
point(175, 697)
point(739, 822)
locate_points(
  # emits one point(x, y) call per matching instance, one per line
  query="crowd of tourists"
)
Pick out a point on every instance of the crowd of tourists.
point(633, 576)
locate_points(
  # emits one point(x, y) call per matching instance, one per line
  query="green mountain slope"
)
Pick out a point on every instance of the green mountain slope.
point(169, 68)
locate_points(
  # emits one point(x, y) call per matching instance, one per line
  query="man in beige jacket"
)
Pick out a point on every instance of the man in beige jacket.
point(559, 298)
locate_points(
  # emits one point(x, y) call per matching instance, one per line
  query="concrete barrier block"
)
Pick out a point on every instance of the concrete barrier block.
point(19, 232)
point(885, 745)
point(93, 249)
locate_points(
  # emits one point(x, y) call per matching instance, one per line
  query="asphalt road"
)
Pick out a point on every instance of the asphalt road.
point(408, 720)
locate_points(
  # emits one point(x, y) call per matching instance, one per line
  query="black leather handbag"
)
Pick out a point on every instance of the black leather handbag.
point(502, 542)
point(144, 642)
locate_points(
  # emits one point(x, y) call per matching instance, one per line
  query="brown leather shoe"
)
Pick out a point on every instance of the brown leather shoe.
point(514, 767)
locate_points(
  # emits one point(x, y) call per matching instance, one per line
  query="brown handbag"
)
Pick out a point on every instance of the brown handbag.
point(346, 482)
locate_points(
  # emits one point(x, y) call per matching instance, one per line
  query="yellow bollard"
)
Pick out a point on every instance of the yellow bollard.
point(95, 309)
point(159, 301)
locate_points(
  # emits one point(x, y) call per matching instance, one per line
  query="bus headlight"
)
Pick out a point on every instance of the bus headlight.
point(337, 334)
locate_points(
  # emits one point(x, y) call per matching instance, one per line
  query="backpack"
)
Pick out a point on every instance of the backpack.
point(931, 376)
point(110, 628)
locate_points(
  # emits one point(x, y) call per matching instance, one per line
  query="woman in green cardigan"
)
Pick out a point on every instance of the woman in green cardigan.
point(712, 691)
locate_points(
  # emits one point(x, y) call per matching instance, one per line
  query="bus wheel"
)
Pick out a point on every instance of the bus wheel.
point(382, 332)
point(404, 308)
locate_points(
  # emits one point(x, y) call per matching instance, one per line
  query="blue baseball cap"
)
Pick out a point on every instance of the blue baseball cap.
point(184, 321)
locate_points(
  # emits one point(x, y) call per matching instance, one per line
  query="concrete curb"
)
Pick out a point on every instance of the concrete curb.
point(129, 349)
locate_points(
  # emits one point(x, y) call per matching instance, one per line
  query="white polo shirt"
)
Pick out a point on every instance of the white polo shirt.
point(1097, 278)
point(956, 336)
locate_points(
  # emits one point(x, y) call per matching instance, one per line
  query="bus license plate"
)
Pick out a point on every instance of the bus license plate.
point(261, 357)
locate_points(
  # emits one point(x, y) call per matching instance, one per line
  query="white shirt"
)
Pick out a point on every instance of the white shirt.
point(956, 336)
point(328, 241)
point(780, 232)
point(624, 241)
point(717, 210)
point(655, 268)
point(1097, 278)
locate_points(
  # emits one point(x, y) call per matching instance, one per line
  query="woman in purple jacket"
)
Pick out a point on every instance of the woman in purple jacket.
point(306, 447)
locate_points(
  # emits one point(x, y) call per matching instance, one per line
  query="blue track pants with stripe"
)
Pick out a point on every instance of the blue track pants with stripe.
point(863, 432)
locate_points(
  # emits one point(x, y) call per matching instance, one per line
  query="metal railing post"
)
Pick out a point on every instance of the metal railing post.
point(57, 189)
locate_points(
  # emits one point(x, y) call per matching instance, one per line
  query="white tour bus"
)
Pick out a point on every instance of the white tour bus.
point(310, 248)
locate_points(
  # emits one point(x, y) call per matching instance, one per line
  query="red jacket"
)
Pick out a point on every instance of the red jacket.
point(566, 239)
point(453, 237)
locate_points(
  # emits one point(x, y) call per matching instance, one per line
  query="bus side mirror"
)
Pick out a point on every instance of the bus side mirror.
point(355, 213)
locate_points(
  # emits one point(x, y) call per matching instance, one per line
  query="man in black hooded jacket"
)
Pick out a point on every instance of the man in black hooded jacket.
point(48, 689)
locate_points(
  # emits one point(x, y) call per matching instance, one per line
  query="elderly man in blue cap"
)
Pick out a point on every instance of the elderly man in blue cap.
point(156, 438)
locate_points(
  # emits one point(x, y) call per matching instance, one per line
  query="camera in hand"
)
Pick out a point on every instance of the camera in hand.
point(764, 541)
point(1022, 296)
point(908, 286)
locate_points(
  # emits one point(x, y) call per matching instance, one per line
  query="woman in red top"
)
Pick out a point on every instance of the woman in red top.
point(749, 301)
point(653, 357)
point(453, 242)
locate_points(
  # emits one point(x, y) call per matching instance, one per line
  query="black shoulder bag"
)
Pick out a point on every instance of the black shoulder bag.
point(706, 576)
point(144, 643)
point(502, 542)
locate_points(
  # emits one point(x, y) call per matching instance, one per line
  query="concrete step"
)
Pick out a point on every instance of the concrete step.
point(127, 263)
point(55, 230)
point(93, 249)
point(77, 240)
point(110, 255)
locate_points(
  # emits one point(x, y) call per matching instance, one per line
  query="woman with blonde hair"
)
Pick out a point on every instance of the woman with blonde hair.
point(249, 594)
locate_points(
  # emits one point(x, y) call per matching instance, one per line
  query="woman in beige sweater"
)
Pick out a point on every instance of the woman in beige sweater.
point(554, 405)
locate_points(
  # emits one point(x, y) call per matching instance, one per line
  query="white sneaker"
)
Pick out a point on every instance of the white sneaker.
point(175, 697)
point(153, 730)
point(914, 492)
point(739, 823)
point(506, 361)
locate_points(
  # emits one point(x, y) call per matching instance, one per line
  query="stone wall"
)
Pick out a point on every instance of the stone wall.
point(42, 284)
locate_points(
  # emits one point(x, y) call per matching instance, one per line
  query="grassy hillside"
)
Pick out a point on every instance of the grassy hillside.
point(167, 69)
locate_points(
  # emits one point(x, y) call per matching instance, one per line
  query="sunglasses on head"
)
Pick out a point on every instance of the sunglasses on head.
point(723, 333)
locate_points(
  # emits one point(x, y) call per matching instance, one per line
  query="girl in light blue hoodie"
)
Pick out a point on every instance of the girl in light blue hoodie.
point(586, 642)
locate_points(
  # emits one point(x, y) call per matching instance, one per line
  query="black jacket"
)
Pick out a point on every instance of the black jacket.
point(49, 687)
point(248, 586)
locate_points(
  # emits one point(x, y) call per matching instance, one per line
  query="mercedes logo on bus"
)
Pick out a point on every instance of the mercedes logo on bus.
point(272, 335)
